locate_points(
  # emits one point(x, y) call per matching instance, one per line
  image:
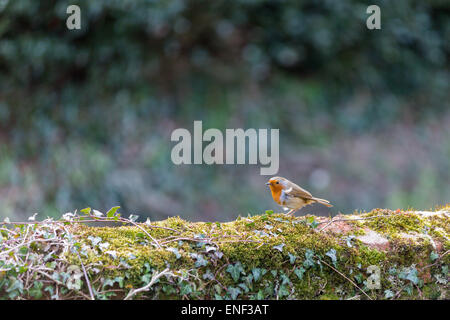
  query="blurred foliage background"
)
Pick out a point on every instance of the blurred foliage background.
point(86, 115)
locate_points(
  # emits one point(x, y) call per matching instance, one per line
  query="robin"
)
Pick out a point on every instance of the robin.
point(291, 196)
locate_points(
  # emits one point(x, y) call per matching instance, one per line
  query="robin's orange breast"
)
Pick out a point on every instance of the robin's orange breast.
point(276, 193)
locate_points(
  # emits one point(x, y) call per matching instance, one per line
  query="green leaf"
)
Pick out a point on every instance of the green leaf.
point(283, 291)
point(409, 289)
point(185, 288)
point(309, 262)
point(260, 295)
point(244, 287)
point(433, 256)
point(112, 211)
point(258, 273)
point(200, 261)
point(312, 222)
point(235, 271)
point(234, 292)
point(86, 210)
point(444, 270)
point(111, 282)
point(332, 254)
point(388, 294)
point(299, 272)
point(349, 240)
point(292, 258)
point(410, 274)
point(359, 278)
point(23, 269)
point(36, 290)
point(133, 217)
point(279, 247)
point(285, 279)
point(175, 252)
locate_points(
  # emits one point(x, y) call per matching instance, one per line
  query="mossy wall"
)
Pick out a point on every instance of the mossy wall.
point(382, 254)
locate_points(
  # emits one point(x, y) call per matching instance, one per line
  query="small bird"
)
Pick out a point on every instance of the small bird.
point(291, 196)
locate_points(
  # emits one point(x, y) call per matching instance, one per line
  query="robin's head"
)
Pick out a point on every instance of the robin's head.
point(276, 183)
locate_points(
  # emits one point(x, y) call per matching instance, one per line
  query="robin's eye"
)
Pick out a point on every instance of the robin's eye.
point(277, 182)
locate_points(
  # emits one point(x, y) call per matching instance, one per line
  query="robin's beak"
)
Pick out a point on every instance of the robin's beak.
point(267, 183)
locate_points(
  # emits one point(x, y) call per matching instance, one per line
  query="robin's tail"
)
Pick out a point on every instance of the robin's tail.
point(323, 201)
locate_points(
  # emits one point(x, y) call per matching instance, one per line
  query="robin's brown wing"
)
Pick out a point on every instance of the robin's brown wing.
point(297, 191)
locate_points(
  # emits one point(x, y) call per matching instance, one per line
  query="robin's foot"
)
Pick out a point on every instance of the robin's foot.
point(291, 213)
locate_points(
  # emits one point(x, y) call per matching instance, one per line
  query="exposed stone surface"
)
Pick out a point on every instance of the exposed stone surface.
point(374, 240)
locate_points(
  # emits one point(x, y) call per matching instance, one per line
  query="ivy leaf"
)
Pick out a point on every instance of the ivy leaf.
point(359, 278)
point(258, 273)
point(312, 222)
point(175, 252)
point(234, 292)
point(299, 272)
point(283, 291)
point(200, 261)
point(260, 295)
point(208, 275)
point(210, 248)
point(235, 271)
point(111, 282)
point(440, 279)
point(244, 287)
point(409, 274)
point(332, 254)
point(292, 258)
point(349, 240)
point(185, 288)
point(285, 279)
point(409, 289)
point(279, 247)
point(309, 262)
point(95, 240)
point(86, 210)
point(97, 213)
point(111, 212)
point(444, 270)
point(133, 217)
point(23, 250)
point(112, 254)
point(388, 294)
point(433, 256)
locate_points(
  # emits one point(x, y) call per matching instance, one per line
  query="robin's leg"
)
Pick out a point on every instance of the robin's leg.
point(291, 212)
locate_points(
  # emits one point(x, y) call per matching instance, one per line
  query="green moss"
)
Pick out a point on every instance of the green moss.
point(329, 296)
